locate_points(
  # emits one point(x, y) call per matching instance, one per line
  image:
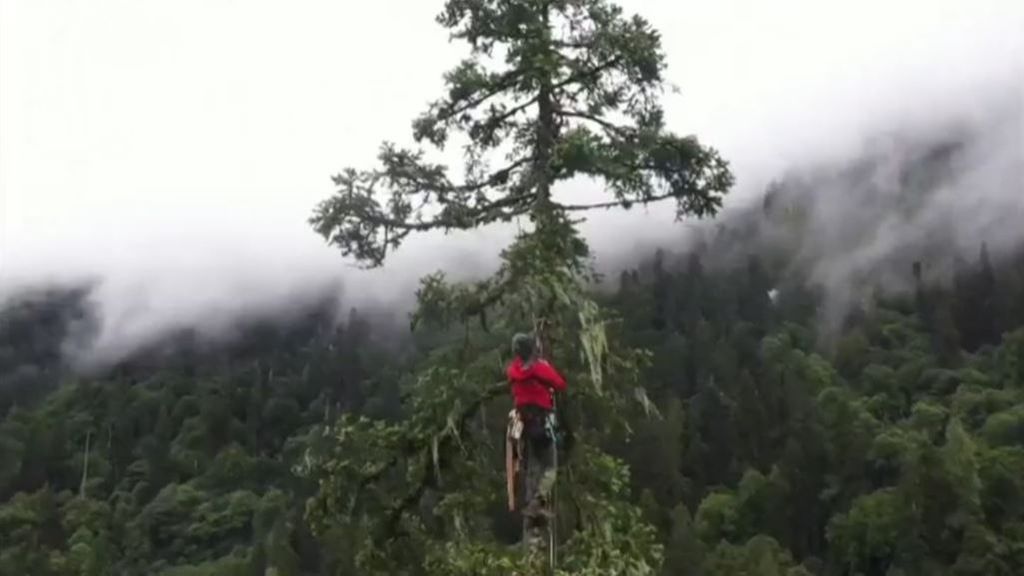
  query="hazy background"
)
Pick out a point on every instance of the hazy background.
point(174, 150)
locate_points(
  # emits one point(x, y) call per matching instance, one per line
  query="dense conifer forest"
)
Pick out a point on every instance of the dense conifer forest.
point(827, 381)
point(892, 443)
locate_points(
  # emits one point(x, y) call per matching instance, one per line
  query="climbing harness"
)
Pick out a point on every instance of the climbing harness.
point(513, 450)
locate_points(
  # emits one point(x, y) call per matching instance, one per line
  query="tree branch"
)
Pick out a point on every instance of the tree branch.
point(489, 300)
point(572, 45)
point(469, 219)
point(609, 126)
point(469, 103)
point(506, 82)
point(587, 73)
point(494, 121)
point(428, 478)
point(615, 203)
point(496, 178)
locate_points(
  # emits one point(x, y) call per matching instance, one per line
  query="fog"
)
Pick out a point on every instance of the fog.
point(934, 195)
point(173, 151)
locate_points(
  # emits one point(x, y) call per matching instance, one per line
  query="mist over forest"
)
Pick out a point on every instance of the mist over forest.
point(929, 194)
point(800, 353)
point(829, 260)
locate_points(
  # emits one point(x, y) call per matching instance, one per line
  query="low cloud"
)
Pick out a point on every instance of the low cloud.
point(178, 175)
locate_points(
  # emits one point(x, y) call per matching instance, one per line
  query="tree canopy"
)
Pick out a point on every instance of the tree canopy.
point(552, 90)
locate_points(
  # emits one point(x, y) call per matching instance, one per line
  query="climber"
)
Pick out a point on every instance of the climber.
point(533, 381)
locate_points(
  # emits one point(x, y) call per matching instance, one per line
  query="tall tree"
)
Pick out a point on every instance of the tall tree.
point(559, 89)
point(977, 311)
point(551, 90)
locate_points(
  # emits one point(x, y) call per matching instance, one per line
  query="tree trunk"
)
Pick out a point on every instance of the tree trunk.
point(85, 465)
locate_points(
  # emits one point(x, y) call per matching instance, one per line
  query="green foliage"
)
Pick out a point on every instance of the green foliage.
point(873, 531)
point(177, 481)
point(555, 90)
point(760, 555)
point(309, 451)
point(684, 552)
point(884, 442)
point(718, 517)
point(560, 90)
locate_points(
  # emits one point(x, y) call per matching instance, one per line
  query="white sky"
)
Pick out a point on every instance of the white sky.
point(182, 144)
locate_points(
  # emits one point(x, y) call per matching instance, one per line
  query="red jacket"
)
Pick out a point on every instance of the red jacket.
point(530, 384)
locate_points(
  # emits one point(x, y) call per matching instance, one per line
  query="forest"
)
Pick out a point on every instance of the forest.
point(732, 410)
point(895, 448)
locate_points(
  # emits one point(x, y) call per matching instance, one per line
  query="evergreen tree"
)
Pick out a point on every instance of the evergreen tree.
point(558, 89)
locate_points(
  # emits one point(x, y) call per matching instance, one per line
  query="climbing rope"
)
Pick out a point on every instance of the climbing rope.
point(553, 503)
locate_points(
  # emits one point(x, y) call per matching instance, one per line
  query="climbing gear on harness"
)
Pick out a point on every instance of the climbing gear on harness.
point(551, 426)
point(513, 434)
point(522, 430)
